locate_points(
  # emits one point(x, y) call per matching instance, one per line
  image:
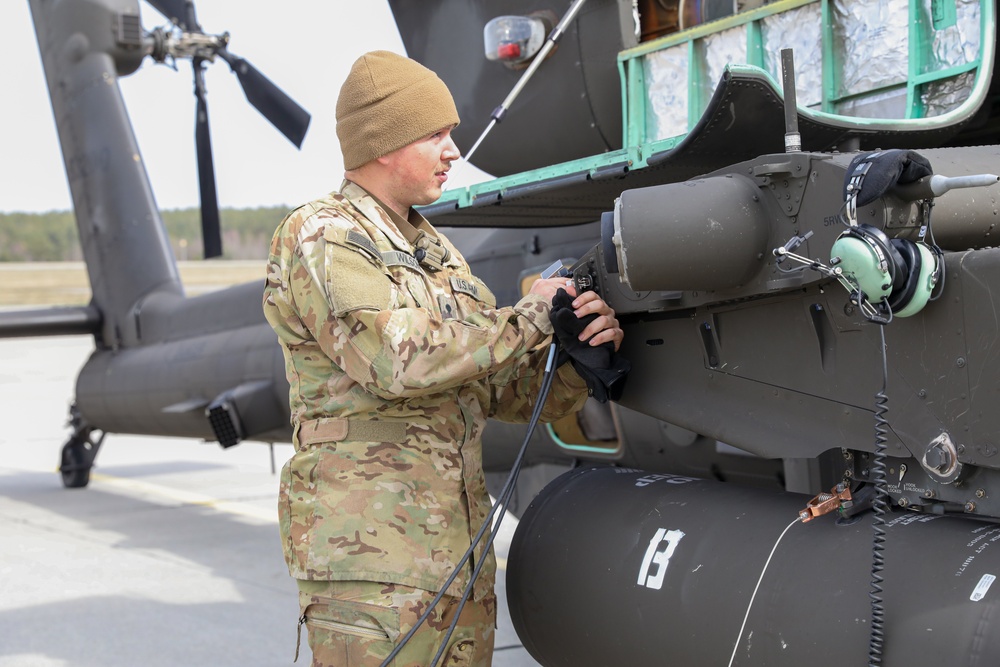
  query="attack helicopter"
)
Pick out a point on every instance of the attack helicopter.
point(804, 274)
point(786, 337)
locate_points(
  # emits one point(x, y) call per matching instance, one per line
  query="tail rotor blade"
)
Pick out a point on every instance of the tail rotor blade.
point(281, 110)
point(210, 228)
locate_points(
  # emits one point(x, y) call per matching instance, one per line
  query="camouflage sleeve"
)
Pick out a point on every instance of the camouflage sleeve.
point(515, 389)
point(281, 262)
point(357, 314)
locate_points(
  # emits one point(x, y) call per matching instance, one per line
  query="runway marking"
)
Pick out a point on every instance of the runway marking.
point(148, 489)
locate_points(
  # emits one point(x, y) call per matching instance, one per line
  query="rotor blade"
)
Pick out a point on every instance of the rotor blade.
point(177, 12)
point(284, 113)
point(210, 228)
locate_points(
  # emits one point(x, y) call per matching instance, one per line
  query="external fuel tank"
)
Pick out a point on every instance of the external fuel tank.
point(613, 566)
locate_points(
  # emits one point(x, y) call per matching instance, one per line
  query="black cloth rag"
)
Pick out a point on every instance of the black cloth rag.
point(603, 369)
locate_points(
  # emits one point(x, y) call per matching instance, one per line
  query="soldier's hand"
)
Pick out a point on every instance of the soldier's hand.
point(589, 336)
point(547, 287)
point(604, 327)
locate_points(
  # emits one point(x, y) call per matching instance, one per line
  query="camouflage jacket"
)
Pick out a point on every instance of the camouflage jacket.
point(394, 368)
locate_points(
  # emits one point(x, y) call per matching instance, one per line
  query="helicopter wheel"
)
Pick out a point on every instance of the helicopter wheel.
point(79, 452)
point(77, 460)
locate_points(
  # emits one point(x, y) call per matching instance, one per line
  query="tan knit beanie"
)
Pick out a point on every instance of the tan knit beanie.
point(387, 102)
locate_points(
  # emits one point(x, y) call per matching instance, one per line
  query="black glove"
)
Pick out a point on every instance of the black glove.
point(599, 365)
point(888, 168)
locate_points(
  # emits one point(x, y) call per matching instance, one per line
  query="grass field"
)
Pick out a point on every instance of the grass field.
point(66, 283)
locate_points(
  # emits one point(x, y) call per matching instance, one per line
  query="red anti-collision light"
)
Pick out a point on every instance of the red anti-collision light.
point(513, 40)
point(510, 51)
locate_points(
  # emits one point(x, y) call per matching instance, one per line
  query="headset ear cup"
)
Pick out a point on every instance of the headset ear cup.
point(868, 259)
point(856, 256)
point(924, 276)
point(911, 262)
point(897, 264)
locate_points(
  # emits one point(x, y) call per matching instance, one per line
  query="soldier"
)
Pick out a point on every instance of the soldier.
point(396, 356)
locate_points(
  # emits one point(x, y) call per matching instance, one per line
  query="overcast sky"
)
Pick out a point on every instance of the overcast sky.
point(305, 46)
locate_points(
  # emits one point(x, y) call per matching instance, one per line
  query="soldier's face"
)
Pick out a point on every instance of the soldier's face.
point(418, 171)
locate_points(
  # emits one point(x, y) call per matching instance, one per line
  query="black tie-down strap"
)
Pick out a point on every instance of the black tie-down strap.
point(603, 369)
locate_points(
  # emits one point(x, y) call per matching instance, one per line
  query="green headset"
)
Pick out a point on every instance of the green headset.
point(896, 275)
point(899, 273)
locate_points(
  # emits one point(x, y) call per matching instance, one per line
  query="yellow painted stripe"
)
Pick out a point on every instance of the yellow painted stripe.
point(147, 489)
point(150, 490)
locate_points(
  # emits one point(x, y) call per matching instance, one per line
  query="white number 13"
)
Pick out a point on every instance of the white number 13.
point(658, 557)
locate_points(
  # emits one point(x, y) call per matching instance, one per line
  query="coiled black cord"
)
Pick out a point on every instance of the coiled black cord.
point(881, 506)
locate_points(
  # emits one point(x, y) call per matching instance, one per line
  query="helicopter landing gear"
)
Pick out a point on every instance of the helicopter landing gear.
point(79, 452)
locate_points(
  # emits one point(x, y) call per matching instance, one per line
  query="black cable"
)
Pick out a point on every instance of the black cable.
point(506, 493)
point(502, 499)
point(939, 255)
point(881, 506)
point(939, 287)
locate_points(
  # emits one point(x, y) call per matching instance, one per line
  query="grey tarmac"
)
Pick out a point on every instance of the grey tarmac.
point(170, 557)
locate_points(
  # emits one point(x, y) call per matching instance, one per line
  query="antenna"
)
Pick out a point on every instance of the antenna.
point(793, 141)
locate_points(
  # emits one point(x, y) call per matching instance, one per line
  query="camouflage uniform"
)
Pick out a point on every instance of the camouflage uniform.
point(394, 366)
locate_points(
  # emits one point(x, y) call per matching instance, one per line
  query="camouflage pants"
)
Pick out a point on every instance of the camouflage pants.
point(357, 624)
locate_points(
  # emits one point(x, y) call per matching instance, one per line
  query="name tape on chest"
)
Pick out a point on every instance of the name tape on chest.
point(398, 258)
point(465, 287)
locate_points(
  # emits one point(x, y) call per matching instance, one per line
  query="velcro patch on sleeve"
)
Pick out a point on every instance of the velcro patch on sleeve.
point(354, 282)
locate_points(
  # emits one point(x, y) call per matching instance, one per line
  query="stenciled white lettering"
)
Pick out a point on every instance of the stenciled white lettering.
point(658, 556)
point(658, 477)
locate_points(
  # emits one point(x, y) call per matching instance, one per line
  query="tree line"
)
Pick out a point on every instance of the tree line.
point(52, 236)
